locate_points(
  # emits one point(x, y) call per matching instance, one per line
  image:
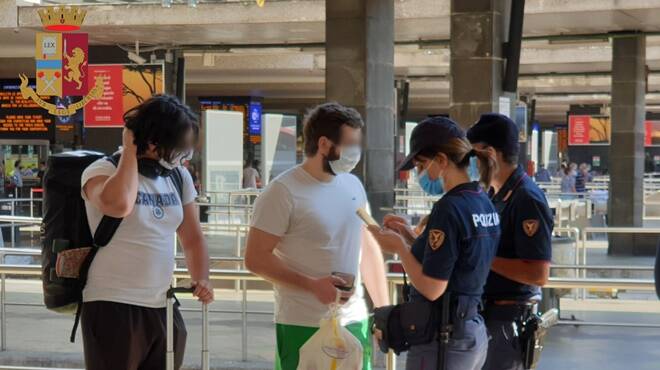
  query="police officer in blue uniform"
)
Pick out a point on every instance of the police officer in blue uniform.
point(522, 264)
point(452, 257)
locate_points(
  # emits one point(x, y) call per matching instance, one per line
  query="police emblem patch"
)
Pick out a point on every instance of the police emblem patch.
point(436, 238)
point(530, 227)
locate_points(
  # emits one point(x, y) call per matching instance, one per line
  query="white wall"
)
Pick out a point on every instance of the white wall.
point(222, 159)
point(278, 145)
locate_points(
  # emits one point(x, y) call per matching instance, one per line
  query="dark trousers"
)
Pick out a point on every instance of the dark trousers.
point(504, 352)
point(127, 337)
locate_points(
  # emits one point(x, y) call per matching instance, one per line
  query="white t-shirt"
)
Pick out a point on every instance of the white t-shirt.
point(250, 176)
point(321, 233)
point(136, 266)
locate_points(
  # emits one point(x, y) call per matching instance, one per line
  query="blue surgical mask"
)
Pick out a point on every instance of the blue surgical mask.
point(431, 187)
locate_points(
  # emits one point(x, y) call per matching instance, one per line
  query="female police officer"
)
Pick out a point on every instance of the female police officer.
point(454, 252)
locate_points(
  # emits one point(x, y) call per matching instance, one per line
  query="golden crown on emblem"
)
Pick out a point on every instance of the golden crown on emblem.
point(61, 18)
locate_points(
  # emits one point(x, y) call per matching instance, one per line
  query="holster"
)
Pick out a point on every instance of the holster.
point(531, 332)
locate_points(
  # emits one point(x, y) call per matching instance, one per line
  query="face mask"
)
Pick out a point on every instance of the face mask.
point(177, 160)
point(431, 187)
point(349, 158)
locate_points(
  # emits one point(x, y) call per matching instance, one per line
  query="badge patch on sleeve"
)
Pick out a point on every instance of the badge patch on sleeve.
point(530, 227)
point(436, 238)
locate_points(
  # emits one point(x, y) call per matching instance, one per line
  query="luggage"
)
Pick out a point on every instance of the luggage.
point(170, 329)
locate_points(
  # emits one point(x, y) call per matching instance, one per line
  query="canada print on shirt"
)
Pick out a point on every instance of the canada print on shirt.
point(157, 201)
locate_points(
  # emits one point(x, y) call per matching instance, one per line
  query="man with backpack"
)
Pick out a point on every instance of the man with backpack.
point(123, 314)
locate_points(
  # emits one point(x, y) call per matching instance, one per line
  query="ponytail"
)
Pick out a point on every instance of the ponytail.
point(487, 166)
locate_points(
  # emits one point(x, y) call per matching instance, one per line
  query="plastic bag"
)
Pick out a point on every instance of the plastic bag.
point(332, 347)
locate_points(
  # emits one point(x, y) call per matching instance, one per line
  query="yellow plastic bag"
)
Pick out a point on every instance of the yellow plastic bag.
point(331, 348)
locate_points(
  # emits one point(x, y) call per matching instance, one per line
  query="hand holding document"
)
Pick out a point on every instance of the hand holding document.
point(366, 217)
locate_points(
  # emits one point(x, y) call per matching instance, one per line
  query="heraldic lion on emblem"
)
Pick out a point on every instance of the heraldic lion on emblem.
point(73, 64)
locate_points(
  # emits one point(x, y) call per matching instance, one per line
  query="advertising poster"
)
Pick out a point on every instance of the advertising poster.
point(652, 133)
point(106, 111)
point(589, 130)
point(126, 86)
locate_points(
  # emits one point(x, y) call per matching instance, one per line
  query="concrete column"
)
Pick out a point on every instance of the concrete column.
point(360, 73)
point(478, 29)
point(8, 14)
point(627, 148)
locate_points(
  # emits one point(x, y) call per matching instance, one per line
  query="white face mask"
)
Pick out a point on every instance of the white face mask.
point(177, 160)
point(348, 159)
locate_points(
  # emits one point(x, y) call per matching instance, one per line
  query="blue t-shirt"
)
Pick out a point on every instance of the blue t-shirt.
point(527, 224)
point(459, 241)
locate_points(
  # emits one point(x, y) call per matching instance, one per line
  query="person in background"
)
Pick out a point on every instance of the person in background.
point(568, 182)
point(561, 170)
point(581, 178)
point(257, 166)
point(250, 176)
point(573, 168)
point(41, 173)
point(542, 175)
point(522, 264)
point(589, 173)
point(193, 173)
point(307, 239)
point(17, 178)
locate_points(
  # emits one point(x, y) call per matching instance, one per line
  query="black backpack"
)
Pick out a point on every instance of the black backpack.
point(68, 247)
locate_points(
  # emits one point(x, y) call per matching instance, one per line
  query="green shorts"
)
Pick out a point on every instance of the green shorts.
point(290, 338)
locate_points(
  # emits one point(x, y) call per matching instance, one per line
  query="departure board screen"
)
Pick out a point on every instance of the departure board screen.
point(22, 118)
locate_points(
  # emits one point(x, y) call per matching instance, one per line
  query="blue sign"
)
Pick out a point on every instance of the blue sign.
point(254, 118)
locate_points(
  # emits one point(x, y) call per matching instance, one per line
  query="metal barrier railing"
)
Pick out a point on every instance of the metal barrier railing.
point(244, 276)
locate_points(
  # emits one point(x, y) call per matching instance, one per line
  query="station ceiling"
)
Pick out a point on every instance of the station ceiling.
point(236, 48)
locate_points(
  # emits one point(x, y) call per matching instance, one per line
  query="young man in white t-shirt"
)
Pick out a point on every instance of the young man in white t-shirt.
point(305, 228)
point(123, 314)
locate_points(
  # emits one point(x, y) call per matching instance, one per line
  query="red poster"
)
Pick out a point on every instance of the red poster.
point(648, 133)
point(75, 59)
point(578, 130)
point(108, 111)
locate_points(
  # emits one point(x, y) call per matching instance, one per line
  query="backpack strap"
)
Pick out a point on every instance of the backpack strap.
point(102, 236)
point(177, 178)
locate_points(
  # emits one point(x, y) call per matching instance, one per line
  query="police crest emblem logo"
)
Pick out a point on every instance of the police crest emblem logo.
point(530, 227)
point(436, 238)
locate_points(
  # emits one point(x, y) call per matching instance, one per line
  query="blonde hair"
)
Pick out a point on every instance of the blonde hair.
point(459, 150)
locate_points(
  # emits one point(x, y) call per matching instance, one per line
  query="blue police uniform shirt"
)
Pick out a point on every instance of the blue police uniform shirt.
point(527, 224)
point(459, 241)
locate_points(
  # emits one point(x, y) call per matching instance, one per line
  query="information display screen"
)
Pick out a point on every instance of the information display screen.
point(22, 119)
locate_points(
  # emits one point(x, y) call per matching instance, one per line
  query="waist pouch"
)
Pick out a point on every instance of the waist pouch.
point(414, 323)
point(404, 325)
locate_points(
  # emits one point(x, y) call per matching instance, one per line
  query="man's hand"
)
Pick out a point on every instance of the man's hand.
point(389, 241)
point(128, 141)
point(325, 290)
point(203, 291)
point(401, 226)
